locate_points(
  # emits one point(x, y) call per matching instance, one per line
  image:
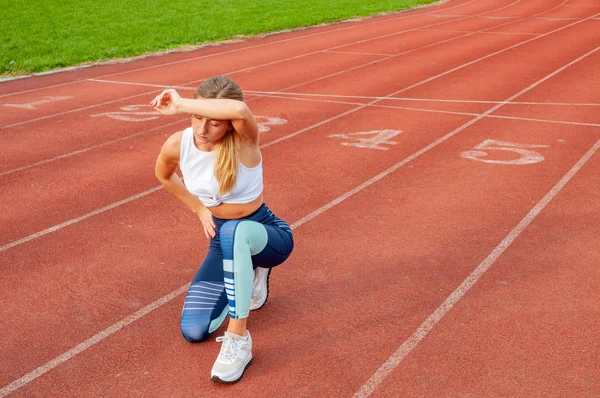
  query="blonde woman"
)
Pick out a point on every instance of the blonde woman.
point(220, 160)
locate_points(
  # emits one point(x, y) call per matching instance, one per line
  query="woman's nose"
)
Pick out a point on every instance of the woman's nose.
point(203, 125)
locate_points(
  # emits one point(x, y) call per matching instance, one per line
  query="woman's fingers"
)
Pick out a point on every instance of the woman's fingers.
point(166, 102)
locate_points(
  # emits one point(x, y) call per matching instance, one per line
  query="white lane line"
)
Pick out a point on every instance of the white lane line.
point(66, 155)
point(396, 358)
point(76, 220)
point(454, 101)
point(15, 385)
point(525, 119)
point(160, 86)
point(558, 19)
point(357, 53)
point(498, 17)
point(450, 16)
point(481, 31)
point(235, 50)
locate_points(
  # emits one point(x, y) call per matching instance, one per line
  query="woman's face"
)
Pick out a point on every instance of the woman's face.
point(207, 132)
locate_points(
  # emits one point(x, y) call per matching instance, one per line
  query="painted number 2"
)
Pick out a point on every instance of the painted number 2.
point(526, 156)
point(132, 113)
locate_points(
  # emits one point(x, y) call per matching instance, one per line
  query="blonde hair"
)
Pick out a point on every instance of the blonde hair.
point(227, 159)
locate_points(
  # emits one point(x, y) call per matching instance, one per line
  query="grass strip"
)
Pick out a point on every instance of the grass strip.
point(41, 35)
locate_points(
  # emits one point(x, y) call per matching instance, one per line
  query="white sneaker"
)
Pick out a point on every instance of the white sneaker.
point(260, 288)
point(234, 358)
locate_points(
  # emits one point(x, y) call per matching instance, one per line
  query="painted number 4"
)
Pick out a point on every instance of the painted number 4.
point(526, 156)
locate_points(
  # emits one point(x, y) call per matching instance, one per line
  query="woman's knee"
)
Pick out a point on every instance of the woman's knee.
point(237, 233)
point(194, 332)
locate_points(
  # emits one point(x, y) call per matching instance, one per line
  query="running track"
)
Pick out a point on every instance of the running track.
point(439, 168)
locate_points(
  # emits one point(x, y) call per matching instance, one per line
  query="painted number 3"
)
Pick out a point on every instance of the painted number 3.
point(526, 156)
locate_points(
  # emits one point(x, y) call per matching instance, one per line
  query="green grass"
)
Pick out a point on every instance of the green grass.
point(40, 35)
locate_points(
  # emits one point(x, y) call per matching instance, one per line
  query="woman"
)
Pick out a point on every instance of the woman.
point(220, 160)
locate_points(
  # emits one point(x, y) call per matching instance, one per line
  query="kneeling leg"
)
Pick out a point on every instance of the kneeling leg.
point(205, 307)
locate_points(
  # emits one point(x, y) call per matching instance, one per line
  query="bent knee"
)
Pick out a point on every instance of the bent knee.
point(194, 330)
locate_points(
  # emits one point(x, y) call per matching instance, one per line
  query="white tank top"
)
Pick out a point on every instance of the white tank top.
point(198, 169)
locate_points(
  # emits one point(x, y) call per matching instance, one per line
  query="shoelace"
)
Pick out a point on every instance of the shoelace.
point(229, 348)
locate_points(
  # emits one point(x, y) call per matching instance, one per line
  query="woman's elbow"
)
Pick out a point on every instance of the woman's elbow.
point(242, 112)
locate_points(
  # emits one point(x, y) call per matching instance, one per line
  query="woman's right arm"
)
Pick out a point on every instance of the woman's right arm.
point(166, 164)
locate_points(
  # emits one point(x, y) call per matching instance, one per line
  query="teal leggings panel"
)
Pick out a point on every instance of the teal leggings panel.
point(240, 240)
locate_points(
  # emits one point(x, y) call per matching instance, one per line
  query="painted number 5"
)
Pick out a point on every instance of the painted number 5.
point(483, 150)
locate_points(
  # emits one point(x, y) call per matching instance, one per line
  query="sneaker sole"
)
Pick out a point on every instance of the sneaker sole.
point(267, 297)
point(216, 378)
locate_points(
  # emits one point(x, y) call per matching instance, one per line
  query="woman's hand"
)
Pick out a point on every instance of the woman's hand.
point(207, 222)
point(167, 102)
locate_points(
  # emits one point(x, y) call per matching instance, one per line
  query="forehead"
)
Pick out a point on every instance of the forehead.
point(209, 120)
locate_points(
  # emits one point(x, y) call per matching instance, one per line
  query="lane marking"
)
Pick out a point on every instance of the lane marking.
point(290, 87)
point(455, 101)
point(444, 112)
point(451, 16)
point(481, 31)
point(357, 53)
point(66, 155)
point(33, 105)
point(15, 385)
point(242, 70)
point(159, 86)
point(76, 220)
point(558, 19)
point(234, 50)
point(396, 358)
point(132, 113)
point(498, 17)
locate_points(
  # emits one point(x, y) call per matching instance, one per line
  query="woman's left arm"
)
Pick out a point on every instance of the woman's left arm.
point(170, 103)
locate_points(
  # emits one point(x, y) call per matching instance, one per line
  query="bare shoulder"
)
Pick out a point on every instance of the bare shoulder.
point(172, 146)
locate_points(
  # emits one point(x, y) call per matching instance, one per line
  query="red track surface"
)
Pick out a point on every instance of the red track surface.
point(417, 271)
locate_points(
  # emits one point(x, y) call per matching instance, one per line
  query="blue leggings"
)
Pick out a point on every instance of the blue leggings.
point(223, 284)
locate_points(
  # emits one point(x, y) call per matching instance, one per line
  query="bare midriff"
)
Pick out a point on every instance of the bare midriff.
point(232, 211)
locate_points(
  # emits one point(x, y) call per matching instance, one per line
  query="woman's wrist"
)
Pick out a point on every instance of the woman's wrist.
point(198, 208)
